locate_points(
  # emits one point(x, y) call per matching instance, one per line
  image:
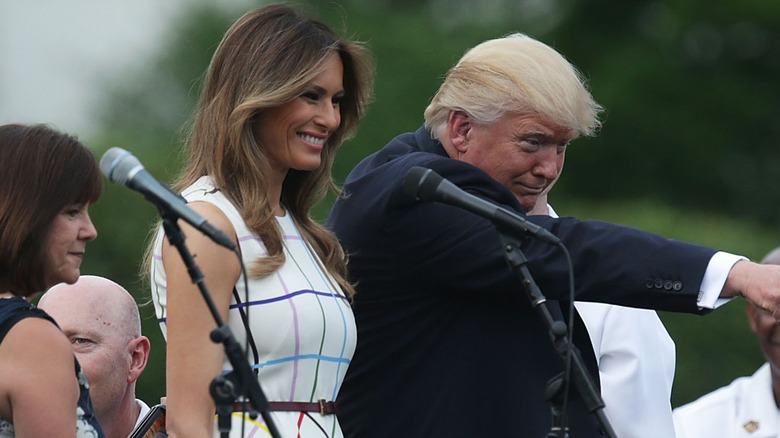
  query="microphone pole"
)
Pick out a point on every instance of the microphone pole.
point(426, 185)
point(121, 167)
point(242, 380)
point(580, 376)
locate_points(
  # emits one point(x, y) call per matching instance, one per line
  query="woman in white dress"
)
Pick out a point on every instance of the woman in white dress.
point(281, 94)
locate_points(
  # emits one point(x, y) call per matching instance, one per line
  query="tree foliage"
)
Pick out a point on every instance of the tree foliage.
point(690, 127)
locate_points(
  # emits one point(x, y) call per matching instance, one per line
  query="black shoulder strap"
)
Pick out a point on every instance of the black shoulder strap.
point(18, 316)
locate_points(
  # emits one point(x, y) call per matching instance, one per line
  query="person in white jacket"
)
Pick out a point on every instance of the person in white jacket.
point(636, 359)
point(748, 406)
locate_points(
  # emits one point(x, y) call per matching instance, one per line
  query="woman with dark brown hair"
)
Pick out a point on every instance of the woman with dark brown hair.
point(281, 95)
point(49, 180)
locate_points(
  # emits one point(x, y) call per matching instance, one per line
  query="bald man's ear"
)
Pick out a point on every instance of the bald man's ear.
point(139, 349)
point(459, 128)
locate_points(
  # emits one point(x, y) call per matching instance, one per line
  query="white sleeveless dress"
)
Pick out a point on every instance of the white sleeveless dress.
point(301, 326)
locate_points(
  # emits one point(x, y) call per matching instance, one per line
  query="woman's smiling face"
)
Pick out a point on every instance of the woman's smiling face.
point(293, 134)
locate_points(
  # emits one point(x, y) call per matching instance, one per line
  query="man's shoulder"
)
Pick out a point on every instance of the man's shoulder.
point(399, 147)
point(724, 410)
point(395, 159)
point(718, 400)
point(722, 399)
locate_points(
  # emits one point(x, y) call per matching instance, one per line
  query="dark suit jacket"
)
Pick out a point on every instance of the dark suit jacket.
point(448, 343)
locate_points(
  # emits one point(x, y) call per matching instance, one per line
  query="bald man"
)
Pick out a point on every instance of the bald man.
point(101, 320)
point(750, 405)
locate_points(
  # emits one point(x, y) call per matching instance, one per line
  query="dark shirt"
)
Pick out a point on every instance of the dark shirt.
point(13, 310)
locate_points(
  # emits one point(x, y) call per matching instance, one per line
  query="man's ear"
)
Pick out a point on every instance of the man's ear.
point(459, 129)
point(138, 349)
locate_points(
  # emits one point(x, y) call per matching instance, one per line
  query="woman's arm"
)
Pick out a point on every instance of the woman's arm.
point(40, 389)
point(193, 360)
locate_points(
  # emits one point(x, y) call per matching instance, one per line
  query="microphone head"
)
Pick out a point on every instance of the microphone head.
point(119, 165)
point(417, 182)
point(422, 183)
point(411, 182)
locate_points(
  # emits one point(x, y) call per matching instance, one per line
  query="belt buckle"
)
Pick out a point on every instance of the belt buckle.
point(322, 402)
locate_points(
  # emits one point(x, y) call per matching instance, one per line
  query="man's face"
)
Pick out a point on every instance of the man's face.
point(767, 330)
point(99, 341)
point(524, 152)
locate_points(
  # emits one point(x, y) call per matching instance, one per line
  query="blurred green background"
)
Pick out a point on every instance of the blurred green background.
point(688, 148)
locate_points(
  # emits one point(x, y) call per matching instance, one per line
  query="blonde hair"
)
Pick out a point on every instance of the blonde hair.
point(267, 58)
point(515, 74)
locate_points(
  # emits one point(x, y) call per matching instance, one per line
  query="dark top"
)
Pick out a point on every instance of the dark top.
point(13, 310)
point(448, 343)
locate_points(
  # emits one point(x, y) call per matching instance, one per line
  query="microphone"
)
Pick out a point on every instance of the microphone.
point(123, 168)
point(427, 185)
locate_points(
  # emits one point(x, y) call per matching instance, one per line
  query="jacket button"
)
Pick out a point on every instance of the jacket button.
point(659, 283)
point(677, 285)
point(668, 284)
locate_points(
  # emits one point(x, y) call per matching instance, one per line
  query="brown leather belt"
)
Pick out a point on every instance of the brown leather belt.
point(321, 406)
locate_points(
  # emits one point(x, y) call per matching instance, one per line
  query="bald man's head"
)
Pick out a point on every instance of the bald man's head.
point(773, 258)
point(102, 322)
point(93, 296)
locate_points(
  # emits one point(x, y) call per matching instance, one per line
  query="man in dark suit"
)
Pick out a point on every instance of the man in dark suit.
point(448, 342)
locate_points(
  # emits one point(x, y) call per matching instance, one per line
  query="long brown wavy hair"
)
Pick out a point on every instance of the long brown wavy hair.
point(268, 58)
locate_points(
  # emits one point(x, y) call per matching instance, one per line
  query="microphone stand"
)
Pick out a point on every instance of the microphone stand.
point(582, 380)
point(225, 389)
point(555, 394)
